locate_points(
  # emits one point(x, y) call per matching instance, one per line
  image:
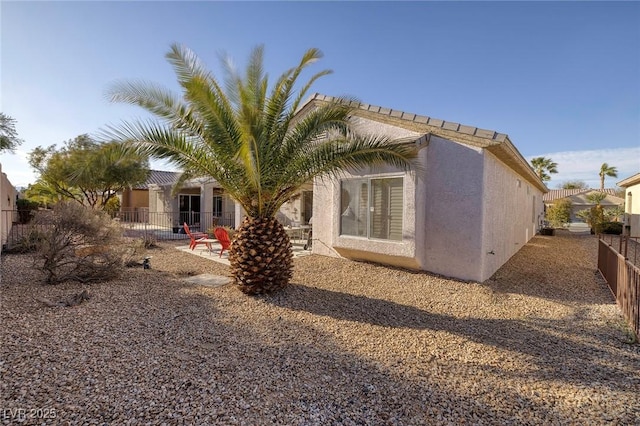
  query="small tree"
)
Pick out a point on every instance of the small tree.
point(559, 213)
point(614, 214)
point(595, 215)
point(574, 184)
point(26, 209)
point(86, 171)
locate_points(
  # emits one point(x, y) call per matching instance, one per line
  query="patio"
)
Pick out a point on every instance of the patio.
point(214, 253)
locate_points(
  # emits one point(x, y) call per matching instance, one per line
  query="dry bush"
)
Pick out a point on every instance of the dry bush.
point(79, 244)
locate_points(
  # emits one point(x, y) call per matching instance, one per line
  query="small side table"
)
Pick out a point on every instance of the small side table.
point(207, 242)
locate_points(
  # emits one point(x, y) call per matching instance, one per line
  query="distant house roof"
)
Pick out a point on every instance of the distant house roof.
point(160, 178)
point(556, 194)
point(163, 179)
point(631, 180)
point(496, 143)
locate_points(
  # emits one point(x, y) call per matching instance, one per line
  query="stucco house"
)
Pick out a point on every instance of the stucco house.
point(580, 201)
point(631, 186)
point(200, 203)
point(473, 204)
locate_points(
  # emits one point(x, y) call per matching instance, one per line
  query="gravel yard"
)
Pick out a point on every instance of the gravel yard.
point(348, 343)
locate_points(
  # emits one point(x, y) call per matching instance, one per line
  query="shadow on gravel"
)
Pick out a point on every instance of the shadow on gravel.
point(563, 350)
point(561, 268)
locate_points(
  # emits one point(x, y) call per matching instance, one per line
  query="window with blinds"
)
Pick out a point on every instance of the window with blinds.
point(372, 208)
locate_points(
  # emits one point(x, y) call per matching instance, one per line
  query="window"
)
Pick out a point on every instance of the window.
point(217, 206)
point(372, 208)
point(189, 208)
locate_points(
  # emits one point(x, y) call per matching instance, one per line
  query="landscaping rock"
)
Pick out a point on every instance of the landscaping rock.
point(541, 342)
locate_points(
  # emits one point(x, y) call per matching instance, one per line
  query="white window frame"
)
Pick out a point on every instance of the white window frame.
point(369, 207)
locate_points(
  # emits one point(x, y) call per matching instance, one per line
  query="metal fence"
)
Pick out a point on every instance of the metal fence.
point(622, 275)
point(16, 225)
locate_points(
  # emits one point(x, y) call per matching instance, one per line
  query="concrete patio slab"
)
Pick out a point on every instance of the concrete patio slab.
point(209, 280)
point(214, 253)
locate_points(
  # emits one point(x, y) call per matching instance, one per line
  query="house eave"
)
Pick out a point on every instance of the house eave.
point(498, 144)
point(630, 181)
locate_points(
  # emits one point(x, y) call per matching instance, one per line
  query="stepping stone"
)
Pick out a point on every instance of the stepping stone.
point(209, 280)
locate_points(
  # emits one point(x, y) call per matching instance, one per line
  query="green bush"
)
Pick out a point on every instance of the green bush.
point(26, 209)
point(559, 213)
point(611, 228)
point(113, 206)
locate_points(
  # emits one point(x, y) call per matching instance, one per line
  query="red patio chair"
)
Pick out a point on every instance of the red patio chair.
point(223, 238)
point(196, 237)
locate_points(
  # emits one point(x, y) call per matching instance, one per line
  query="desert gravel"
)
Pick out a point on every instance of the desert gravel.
point(348, 343)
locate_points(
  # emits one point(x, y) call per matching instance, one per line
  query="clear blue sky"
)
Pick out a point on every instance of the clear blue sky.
point(561, 79)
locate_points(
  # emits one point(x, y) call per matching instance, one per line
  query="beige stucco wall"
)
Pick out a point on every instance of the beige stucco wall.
point(453, 206)
point(632, 209)
point(134, 198)
point(206, 205)
point(162, 207)
point(513, 211)
point(7, 205)
point(326, 226)
point(326, 211)
point(291, 211)
point(465, 214)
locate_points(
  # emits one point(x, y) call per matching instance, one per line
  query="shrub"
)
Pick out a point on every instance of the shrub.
point(149, 241)
point(559, 213)
point(113, 206)
point(611, 228)
point(80, 244)
point(594, 218)
point(26, 209)
point(229, 230)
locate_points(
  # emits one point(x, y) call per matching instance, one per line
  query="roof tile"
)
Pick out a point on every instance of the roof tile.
point(468, 130)
point(421, 119)
point(482, 133)
point(451, 126)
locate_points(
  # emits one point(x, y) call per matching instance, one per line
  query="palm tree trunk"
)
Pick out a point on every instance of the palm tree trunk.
point(261, 256)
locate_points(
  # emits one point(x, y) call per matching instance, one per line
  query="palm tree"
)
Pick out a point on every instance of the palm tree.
point(543, 166)
point(250, 140)
point(605, 170)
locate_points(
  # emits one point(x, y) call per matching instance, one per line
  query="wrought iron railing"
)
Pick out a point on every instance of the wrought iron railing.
point(16, 225)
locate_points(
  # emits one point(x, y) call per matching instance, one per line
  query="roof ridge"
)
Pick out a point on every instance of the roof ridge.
point(421, 119)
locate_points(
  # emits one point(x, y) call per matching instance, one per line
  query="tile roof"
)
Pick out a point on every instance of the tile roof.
point(160, 178)
point(496, 143)
point(421, 119)
point(556, 194)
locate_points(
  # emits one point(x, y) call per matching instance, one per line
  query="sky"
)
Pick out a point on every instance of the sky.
point(562, 79)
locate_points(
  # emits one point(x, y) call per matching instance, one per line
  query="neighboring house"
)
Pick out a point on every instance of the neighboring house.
point(134, 202)
point(199, 202)
point(8, 196)
point(579, 200)
point(631, 186)
point(473, 204)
